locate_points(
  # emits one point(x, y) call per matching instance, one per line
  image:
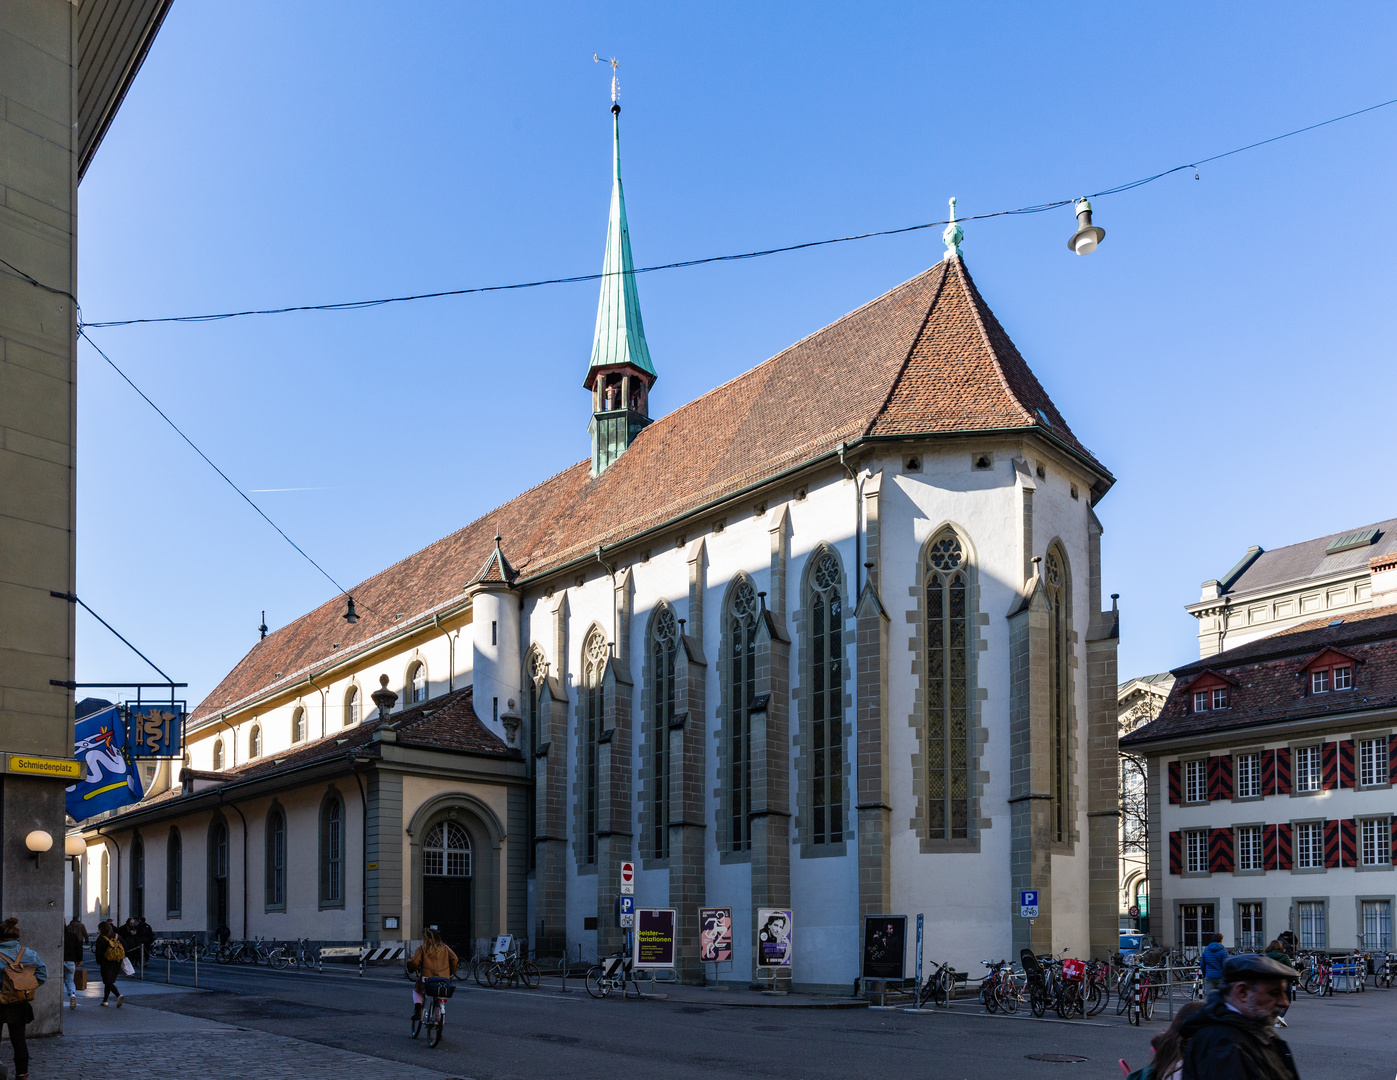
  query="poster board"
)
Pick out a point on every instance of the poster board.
point(775, 937)
point(653, 945)
point(885, 947)
point(715, 935)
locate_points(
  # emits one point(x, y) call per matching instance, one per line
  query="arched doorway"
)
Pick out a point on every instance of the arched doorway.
point(446, 885)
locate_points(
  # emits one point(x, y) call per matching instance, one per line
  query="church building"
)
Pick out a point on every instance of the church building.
point(829, 639)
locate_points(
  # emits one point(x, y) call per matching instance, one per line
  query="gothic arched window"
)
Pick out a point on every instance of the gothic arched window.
point(218, 755)
point(351, 706)
point(446, 852)
point(739, 671)
point(276, 859)
point(826, 733)
point(947, 689)
point(594, 656)
point(332, 851)
point(298, 726)
point(1056, 586)
point(138, 876)
point(174, 874)
point(417, 680)
point(254, 742)
point(664, 650)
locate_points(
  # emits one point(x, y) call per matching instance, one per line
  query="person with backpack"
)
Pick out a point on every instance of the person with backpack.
point(74, 938)
point(1214, 956)
point(21, 973)
point(110, 953)
point(434, 959)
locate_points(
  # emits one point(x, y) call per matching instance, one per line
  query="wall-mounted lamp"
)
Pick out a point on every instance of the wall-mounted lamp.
point(38, 842)
point(74, 845)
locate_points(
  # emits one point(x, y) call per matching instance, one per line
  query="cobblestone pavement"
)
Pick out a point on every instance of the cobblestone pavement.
point(136, 1043)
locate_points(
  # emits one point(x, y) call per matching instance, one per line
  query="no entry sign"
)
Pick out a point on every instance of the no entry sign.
point(627, 873)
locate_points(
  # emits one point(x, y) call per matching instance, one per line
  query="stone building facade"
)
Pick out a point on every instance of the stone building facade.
point(1271, 771)
point(830, 638)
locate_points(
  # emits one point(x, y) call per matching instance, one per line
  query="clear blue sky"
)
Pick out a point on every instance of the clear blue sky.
point(1227, 352)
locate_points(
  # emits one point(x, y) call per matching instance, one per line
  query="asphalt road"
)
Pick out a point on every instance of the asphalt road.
point(498, 1035)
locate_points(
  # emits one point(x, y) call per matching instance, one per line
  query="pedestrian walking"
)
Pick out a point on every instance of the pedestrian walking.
point(128, 935)
point(1214, 956)
point(110, 953)
point(1276, 951)
point(145, 938)
point(1234, 1036)
point(74, 940)
point(21, 973)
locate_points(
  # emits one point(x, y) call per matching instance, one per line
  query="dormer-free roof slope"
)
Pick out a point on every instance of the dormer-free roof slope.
point(928, 358)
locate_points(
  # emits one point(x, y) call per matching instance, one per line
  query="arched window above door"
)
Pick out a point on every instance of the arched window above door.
point(446, 852)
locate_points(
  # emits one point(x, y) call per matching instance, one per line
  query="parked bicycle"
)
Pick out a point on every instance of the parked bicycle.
point(939, 986)
point(612, 973)
point(998, 990)
point(512, 970)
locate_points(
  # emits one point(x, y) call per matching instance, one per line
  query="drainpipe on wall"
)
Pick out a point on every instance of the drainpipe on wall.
point(244, 821)
point(858, 521)
point(354, 763)
point(311, 679)
point(450, 654)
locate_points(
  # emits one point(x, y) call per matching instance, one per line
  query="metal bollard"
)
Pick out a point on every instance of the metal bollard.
point(196, 967)
point(167, 968)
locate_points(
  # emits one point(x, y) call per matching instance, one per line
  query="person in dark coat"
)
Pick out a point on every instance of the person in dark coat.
point(145, 938)
point(74, 939)
point(127, 935)
point(108, 950)
point(1234, 1036)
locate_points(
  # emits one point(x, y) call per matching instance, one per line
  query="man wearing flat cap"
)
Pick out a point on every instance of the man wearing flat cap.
point(1234, 1036)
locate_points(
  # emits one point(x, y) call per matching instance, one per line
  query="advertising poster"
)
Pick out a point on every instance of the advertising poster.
point(715, 935)
point(884, 947)
point(773, 937)
point(654, 937)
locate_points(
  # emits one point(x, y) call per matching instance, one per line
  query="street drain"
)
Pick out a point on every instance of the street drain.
point(548, 1036)
point(1061, 1059)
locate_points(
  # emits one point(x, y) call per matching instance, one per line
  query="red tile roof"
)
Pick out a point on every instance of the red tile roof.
point(1268, 687)
point(926, 358)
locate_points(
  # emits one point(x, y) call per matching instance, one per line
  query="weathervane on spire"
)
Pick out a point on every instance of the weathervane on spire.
point(953, 234)
point(615, 79)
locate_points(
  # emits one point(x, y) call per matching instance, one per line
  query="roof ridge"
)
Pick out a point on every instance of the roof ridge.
point(795, 345)
point(1328, 536)
point(976, 303)
point(912, 344)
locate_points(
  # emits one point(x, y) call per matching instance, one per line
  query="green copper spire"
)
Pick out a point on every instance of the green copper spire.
point(620, 334)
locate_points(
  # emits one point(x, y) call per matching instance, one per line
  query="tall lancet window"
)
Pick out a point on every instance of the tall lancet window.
point(664, 650)
point(947, 689)
point(1056, 586)
point(740, 673)
point(594, 657)
point(826, 702)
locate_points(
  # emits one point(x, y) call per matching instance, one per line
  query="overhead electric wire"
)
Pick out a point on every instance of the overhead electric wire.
point(82, 331)
point(357, 305)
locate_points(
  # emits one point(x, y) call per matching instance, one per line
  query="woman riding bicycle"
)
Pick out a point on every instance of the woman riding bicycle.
point(432, 960)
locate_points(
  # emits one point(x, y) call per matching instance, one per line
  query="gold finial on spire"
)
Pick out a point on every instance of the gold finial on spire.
point(615, 78)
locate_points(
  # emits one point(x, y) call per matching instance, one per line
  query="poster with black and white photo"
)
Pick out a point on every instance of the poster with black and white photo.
point(774, 943)
point(885, 947)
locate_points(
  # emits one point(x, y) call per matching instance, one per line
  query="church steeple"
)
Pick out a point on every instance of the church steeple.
point(620, 373)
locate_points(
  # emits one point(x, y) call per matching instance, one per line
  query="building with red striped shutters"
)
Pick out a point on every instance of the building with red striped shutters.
point(1271, 772)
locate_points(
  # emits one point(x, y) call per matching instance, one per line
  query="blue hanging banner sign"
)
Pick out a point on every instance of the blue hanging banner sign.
point(156, 730)
point(108, 780)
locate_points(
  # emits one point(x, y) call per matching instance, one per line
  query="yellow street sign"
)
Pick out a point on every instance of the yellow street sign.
point(46, 766)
